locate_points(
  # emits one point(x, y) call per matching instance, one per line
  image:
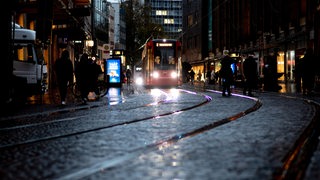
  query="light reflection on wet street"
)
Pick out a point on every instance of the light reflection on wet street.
point(128, 149)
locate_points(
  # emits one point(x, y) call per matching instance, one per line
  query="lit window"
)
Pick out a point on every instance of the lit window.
point(168, 21)
point(161, 13)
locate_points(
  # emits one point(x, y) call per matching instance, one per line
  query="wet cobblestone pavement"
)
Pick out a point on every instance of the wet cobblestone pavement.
point(252, 146)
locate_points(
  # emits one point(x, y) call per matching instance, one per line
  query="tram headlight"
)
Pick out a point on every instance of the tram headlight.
point(174, 74)
point(139, 81)
point(155, 75)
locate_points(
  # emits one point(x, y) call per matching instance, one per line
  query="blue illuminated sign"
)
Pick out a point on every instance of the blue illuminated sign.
point(114, 70)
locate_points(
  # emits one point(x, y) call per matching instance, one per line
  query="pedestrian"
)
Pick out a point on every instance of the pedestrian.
point(199, 75)
point(270, 75)
point(226, 74)
point(217, 77)
point(207, 77)
point(83, 80)
point(64, 73)
point(308, 72)
point(123, 76)
point(94, 70)
point(212, 77)
point(128, 75)
point(192, 74)
point(250, 75)
point(298, 74)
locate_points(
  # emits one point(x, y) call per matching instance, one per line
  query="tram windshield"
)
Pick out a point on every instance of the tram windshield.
point(164, 58)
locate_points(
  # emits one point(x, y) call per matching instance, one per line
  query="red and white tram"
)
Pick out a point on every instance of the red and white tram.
point(161, 63)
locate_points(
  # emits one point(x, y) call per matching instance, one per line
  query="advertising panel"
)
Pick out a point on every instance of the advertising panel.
point(113, 70)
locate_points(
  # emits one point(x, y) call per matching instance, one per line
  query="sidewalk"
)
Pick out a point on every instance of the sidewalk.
point(46, 104)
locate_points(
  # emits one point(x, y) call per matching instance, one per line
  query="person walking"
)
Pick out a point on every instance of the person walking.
point(64, 73)
point(226, 74)
point(298, 74)
point(199, 75)
point(212, 77)
point(308, 72)
point(94, 71)
point(83, 80)
point(192, 74)
point(250, 75)
point(128, 75)
point(270, 75)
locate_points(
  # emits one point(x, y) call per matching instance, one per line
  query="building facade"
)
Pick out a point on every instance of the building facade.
point(168, 14)
point(194, 37)
point(119, 27)
point(80, 26)
point(284, 29)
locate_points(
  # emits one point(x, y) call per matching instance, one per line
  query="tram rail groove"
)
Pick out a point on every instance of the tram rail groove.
point(160, 144)
point(294, 163)
point(31, 141)
point(298, 158)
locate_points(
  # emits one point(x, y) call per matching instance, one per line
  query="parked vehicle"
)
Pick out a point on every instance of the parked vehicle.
point(29, 70)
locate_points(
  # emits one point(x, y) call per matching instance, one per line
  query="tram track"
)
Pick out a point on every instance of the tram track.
point(296, 161)
point(19, 129)
point(105, 165)
point(159, 144)
point(298, 158)
point(295, 158)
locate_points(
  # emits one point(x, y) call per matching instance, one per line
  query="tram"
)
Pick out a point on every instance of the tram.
point(161, 64)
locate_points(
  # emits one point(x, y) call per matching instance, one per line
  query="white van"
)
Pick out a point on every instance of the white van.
point(28, 64)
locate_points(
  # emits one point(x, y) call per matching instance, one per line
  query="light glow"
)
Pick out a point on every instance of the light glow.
point(155, 74)
point(164, 44)
point(156, 92)
point(139, 81)
point(89, 43)
point(174, 74)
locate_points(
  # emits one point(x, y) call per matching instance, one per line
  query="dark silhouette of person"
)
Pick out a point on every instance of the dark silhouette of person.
point(83, 80)
point(266, 75)
point(217, 77)
point(250, 74)
point(94, 70)
point(199, 75)
point(123, 76)
point(64, 74)
point(298, 74)
point(212, 77)
point(308, 72)
point(192, 74)
point(128, 75)
point(226, 74)
point(270, 73)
